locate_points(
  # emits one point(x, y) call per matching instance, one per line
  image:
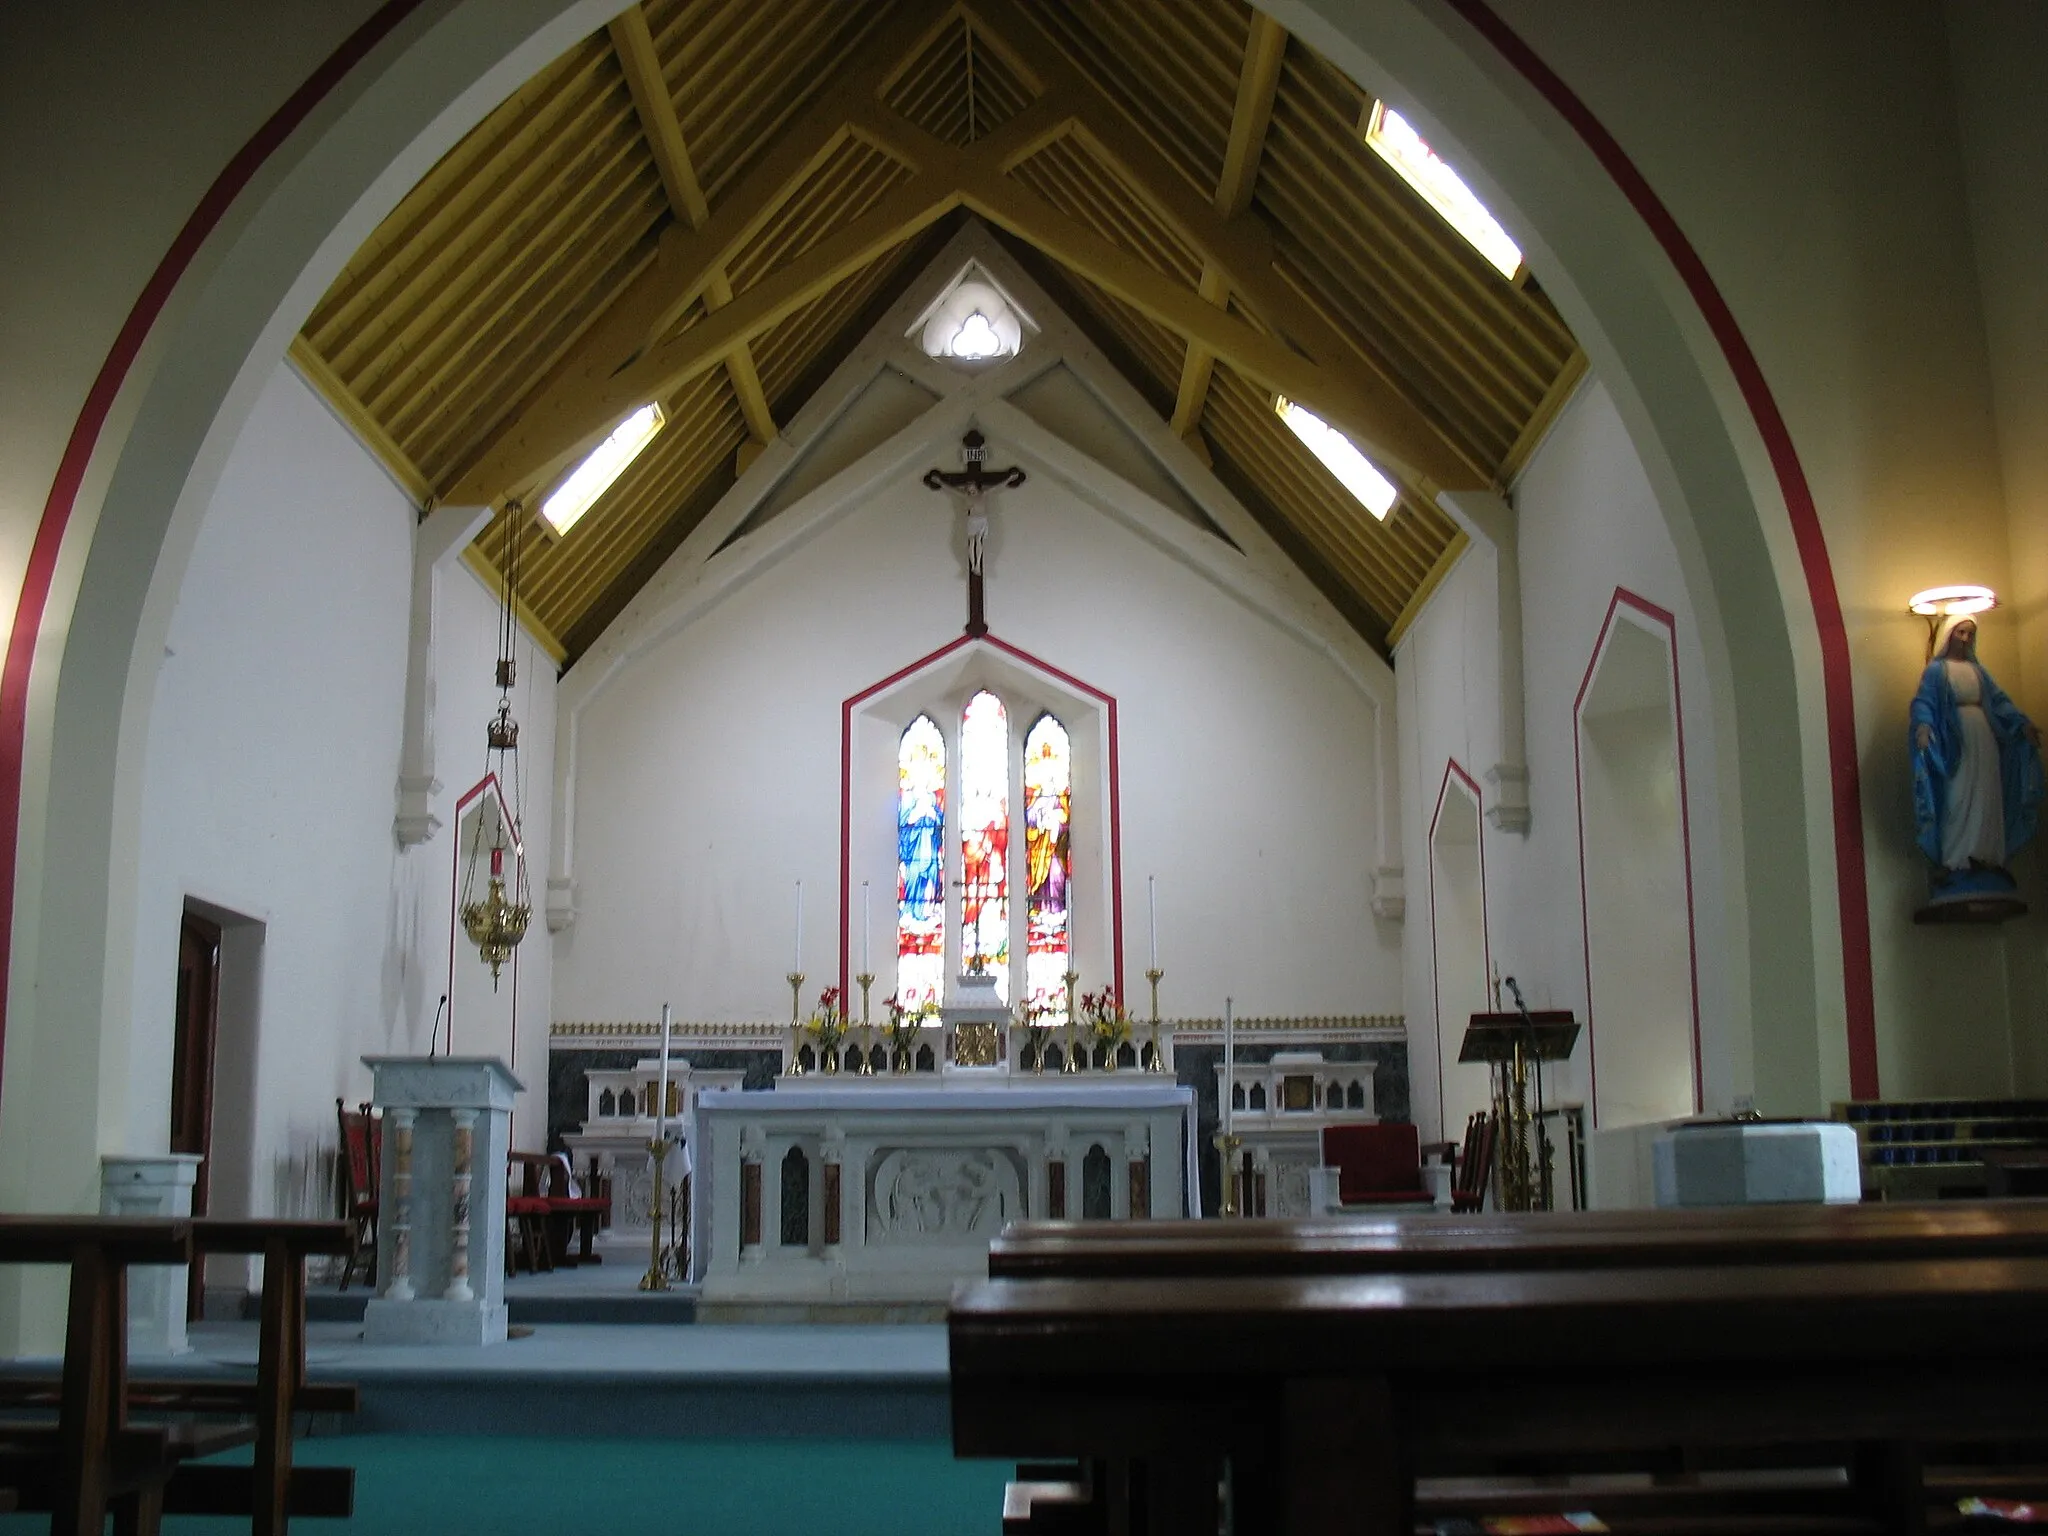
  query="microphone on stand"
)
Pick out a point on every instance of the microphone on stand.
point(434, 1033)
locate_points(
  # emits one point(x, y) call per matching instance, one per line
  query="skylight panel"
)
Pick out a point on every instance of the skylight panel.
point(607, 461)
point(1375, 492)
point(1396, 141)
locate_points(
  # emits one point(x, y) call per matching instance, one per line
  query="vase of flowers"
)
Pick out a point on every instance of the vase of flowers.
point(905, 1020)
point(827, 1028)
point(1036, 1017)
point(1105, 1025)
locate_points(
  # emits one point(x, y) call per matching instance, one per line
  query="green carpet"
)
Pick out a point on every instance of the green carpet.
point(464, 1486)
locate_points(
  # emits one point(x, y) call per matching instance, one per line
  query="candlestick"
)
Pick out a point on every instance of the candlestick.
point(867, 1034)
point(867, 962)
point(1152, 910)
point(796, 996)
point(656, 1279)
point(661, 1092)
point(796, 962)
point(1154, 975)
point(1070, 1064)
point(1229, 1031)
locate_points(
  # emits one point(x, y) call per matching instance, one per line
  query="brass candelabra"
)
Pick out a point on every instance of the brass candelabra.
point(867, 1030)
point(796, 1014)
point(1154, 976)
point(1070, 1065)
point(656, 1279)
point(1227, 1146)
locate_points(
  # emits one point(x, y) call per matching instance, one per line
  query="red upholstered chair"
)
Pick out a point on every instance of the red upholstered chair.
point(1376, 1164)
point(357, 1185)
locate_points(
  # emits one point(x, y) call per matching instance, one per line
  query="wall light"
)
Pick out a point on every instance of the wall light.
point(1938, 603)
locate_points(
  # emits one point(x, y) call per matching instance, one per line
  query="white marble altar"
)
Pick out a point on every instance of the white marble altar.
point(441, 1230)
point(902, 1184)
point(155, 1184)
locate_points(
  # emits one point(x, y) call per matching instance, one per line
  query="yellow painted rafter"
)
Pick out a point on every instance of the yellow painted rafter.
point(368, 430)
point(634, 44)
point(1264, 50)
point(1376, 414)
point(546, 428)
point(544, 637)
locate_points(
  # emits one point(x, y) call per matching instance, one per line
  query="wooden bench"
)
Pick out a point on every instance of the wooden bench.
point(1472, 1393)
point(270, 1489)
point(1422, 1242)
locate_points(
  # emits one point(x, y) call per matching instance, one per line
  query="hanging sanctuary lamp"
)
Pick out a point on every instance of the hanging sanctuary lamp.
point(494, 920)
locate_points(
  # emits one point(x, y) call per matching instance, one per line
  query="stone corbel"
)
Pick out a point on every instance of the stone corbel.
point(441, 535)
point(561, 904)
point(1389, 893)
point(1485, 516)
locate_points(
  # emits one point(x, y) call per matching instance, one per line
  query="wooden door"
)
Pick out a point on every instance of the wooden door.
point(192, 1052)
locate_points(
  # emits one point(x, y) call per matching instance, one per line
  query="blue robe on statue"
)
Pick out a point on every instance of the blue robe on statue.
point(2019, 761)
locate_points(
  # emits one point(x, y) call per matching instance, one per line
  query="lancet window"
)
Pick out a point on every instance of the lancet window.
point(920, 863)
point(978, 777)
point(1048, 860)
point(985, 839)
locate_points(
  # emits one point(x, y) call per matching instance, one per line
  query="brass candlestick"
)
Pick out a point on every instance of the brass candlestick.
point(796, 1005)
point(1154, 976)
point(1227, 1146)
point(867, 1030)
point(655, 1279)
point(1070, 1065)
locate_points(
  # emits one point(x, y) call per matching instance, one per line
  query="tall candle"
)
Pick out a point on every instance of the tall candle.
point(1152, 906)
point(866, 967)
point(797, 962)
point(1229, 1078)
point(661, 1093)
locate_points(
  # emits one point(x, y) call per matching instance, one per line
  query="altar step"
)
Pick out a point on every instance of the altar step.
point(525, 1307)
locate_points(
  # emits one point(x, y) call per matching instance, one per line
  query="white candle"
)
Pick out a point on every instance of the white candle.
point(1229, 1038)
point(866, 968)
point(1152, 906)
point(796, 964)
point(661, 1092)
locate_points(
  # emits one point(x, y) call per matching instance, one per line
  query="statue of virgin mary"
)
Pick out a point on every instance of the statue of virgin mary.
point(1977, 780)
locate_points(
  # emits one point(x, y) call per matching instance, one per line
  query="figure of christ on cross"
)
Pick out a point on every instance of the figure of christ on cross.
point(973, 483)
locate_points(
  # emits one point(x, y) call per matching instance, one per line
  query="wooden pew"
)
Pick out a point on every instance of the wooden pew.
point(1701, 1249)
point(270, 1489)
point(92, 1459)
point(1417, 1243)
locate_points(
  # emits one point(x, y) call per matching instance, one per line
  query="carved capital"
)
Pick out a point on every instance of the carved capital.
point(1389, 893)
point(416, 822)
point(1509, 811)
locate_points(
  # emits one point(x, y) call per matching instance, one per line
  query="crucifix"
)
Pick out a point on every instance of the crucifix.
point(974, 482)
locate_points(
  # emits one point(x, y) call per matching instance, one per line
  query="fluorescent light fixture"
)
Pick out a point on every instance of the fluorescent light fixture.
point(1340, 457)
point(1949, 602)
point(607, 461)
point(1397, 143)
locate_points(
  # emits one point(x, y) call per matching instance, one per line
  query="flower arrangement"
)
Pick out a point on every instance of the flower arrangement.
point(827, 1026)
point(904, 1021)
point(1104, 1019)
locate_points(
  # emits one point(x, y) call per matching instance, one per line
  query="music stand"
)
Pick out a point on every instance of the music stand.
point(1510, 1043)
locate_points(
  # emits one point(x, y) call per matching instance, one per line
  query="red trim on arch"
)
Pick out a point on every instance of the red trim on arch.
point(1663, 619)
point(1454, 769)
point(1851, 883)
point(1116, 846)
point(41, 572)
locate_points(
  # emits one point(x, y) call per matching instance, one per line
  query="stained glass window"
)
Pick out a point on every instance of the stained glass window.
point(985, 839)
point(920, 863)
point(1048, 860)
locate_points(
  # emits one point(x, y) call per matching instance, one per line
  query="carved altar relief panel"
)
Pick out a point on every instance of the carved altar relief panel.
point(942, 1195)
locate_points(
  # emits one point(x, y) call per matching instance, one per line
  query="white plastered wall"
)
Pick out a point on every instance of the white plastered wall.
point(1587, 525)
point(270, 786)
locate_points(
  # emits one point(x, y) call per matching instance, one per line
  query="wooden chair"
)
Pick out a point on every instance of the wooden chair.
point(1377, 1165)
point(1475, 1165)
point(357, 1184)
point(547, 1212)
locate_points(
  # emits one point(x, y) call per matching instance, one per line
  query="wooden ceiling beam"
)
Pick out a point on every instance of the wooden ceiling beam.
point(1265, 49)
point(1378, 417)
point(368, 430)
point(546, 428)
point(634, 44)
